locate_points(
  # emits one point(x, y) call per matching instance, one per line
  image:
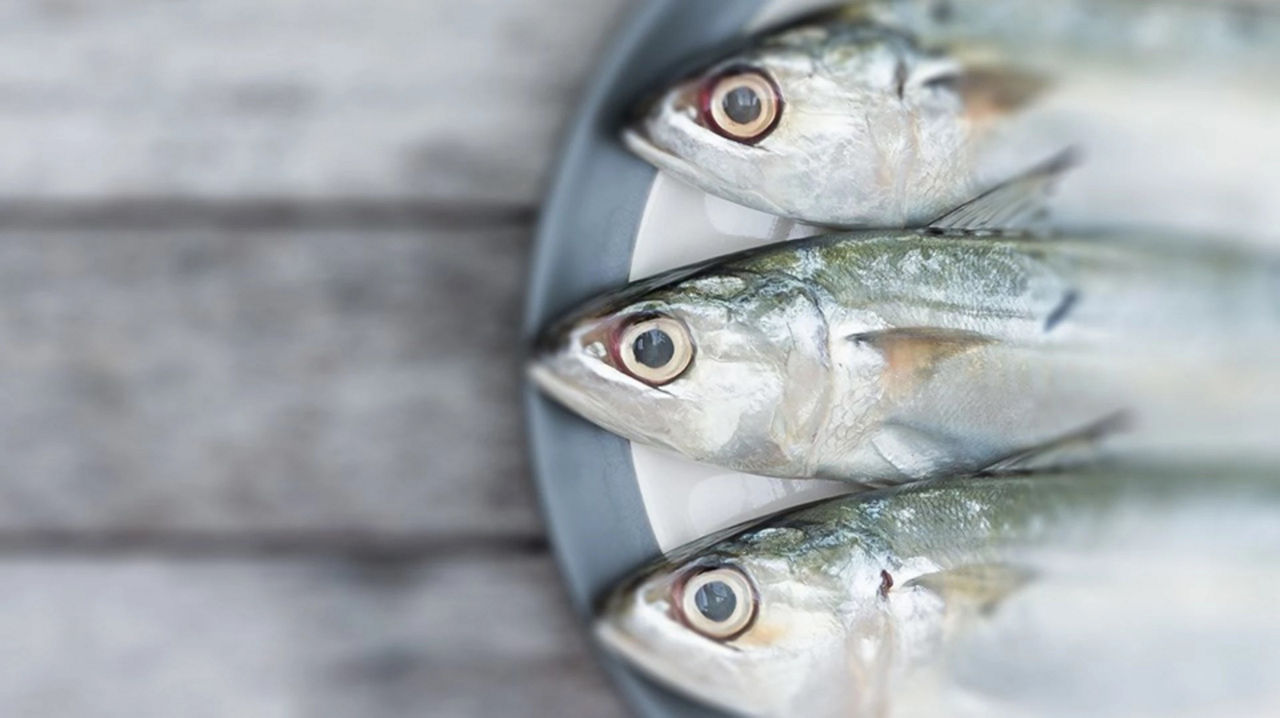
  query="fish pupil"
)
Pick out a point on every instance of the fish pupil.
point(743, 105)
point(654, 348)
point(716, 601)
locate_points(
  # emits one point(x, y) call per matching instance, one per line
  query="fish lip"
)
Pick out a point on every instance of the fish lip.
point(637, 139)
point(619, 644)
point(544, 374)
point(551, 384)
point(540, 375)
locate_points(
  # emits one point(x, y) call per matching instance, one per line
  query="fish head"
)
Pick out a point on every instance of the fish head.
point(754, 627)
point(722, 367)
point(850, 125)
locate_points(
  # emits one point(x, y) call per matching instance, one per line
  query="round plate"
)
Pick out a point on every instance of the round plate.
point(610, 218)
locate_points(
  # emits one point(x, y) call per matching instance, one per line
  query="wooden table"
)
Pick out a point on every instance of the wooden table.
point(261, 277)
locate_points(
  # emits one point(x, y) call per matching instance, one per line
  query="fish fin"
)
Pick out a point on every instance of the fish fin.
point(990, 91)
point(911, 354)
point(980, 586)
point(1069, 449)
point(1011, 203)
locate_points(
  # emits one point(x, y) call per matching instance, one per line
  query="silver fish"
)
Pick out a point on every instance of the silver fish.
point(1119, 592)
point(890, 356)
point(893, 111)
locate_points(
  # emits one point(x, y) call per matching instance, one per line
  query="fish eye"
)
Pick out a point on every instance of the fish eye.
point(743, 105)
point(655, 350)
point(719, 603)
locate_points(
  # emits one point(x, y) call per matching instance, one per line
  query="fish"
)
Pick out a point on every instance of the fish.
point(887, 356)
point(1120, 590)
point(884, 114)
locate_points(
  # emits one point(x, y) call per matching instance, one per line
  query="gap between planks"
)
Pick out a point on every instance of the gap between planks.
point(257, 213)
point(197, 545)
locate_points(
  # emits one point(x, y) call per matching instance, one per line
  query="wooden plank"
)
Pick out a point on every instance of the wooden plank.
point(285, 98)
point(334, 381)
point(128, 637)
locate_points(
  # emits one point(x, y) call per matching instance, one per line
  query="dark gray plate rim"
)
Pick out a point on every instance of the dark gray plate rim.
point(584, 475)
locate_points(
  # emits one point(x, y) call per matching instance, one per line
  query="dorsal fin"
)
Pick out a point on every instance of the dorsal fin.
point(1011, 204)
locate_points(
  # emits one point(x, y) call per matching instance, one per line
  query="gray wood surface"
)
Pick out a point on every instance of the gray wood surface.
point(470, 635)
point(323, 98)
point(261, 268)
point(264, 381)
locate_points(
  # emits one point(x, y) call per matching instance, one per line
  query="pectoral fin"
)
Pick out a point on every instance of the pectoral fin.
point(912, 354)
point(1012, 204)
point(978, 586)
point(991, 91)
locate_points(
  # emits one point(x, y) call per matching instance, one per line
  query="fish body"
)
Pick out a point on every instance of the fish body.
point(883, 357)
point(1111, 591)
point(891, 112)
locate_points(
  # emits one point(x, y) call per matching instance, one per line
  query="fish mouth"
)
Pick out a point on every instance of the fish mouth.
point(545, 349)
point(566, 388)
point(633, 652)
point(551, 383)
point(542, 377)
point(637, 140)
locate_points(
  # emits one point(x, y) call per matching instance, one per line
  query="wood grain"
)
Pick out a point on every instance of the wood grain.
point(146, 636)
point(284, 98)
point(275, 381)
